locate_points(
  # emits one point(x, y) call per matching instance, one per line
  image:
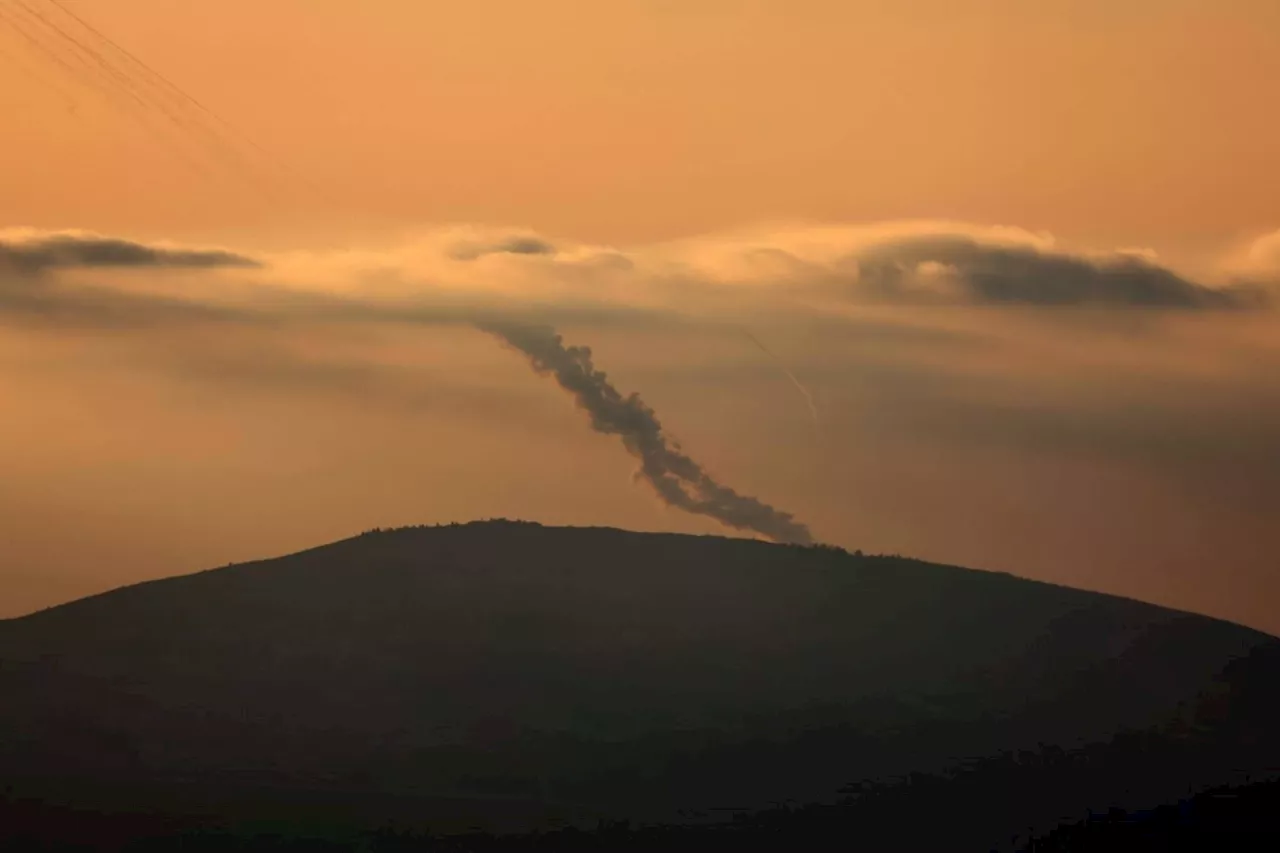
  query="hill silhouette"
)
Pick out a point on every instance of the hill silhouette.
point(510, 677)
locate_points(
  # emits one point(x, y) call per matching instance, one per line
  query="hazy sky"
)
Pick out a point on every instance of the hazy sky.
point(1015, 252)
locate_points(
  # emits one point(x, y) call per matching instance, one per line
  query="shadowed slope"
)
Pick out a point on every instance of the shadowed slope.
point(509, 674)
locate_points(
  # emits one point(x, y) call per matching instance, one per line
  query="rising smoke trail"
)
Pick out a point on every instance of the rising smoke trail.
point(800, 386)
point(679, 481)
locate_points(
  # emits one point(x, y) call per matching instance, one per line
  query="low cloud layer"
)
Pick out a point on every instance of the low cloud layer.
point(808, 272)
point(30, 253)
point(963, 268)
point(984, 391)
point(520, 288)
point(516, 245)
point(797, 270)
point(43, 284)
point(1262, 259)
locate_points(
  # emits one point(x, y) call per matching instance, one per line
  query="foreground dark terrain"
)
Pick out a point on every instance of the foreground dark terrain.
point(500, 678)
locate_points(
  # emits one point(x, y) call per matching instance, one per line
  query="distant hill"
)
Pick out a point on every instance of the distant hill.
point(507, 676)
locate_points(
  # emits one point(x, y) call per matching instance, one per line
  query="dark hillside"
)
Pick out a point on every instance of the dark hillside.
point(508, 675)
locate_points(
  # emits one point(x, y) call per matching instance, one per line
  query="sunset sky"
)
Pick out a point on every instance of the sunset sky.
point(1020, 255)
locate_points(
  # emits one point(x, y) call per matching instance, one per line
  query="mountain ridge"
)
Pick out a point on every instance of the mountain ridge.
point(559, 674)
point(502, 522)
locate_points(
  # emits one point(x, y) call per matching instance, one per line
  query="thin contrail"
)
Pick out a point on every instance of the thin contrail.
point(68, 99)
point(7, 15)
point(96, 75)
point(84, 53)
point(162, 95)
point(96, 61)
point(165, 82)
point(127, 84)
point(95, 72)
point(800, 386)
point(174, 90)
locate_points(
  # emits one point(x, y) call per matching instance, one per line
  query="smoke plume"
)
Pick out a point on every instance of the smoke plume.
point(679, 481)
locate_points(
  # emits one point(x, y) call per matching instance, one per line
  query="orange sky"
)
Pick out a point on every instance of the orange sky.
point(1108, 453)
point(1106, 120)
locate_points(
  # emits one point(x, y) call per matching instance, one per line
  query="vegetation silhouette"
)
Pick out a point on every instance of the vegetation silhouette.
point(505, 685)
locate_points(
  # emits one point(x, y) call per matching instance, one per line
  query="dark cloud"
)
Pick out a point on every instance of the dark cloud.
point(1012, 274)
point(70, 251)
point(679, 481)
point(509, 246)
